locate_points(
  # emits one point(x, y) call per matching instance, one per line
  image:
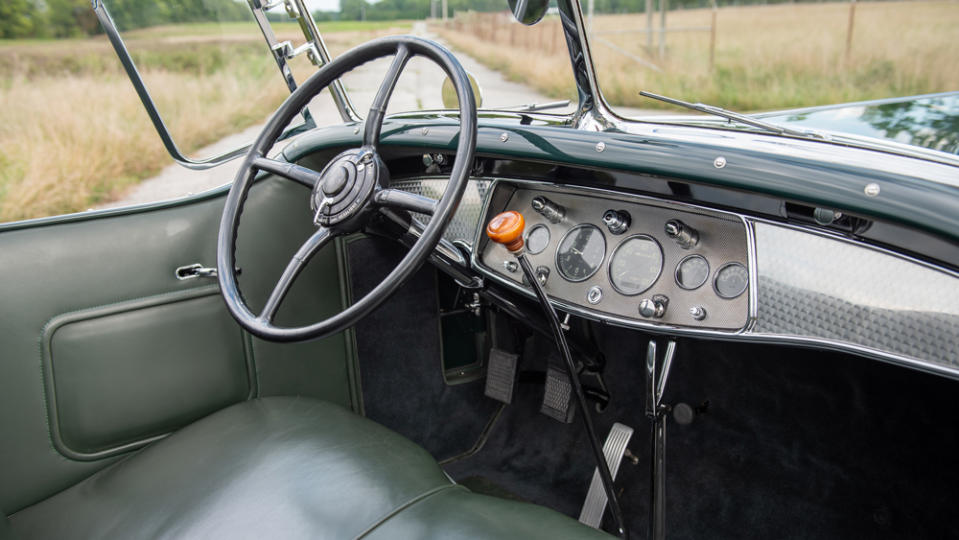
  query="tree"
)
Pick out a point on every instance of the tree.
point(19, 19)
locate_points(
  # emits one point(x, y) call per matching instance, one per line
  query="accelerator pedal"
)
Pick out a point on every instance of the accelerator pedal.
point(613, 449)
point(501, 375)
point(558, 396)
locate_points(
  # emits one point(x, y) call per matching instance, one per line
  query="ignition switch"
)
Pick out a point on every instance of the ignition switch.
point(617, 221)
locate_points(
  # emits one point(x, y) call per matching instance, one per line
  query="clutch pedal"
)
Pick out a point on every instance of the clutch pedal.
point(613, 449)
point(501, 375)
point(557, 397)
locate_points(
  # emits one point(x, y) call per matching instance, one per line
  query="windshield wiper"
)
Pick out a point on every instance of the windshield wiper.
point(741, 118)
point(533, 107)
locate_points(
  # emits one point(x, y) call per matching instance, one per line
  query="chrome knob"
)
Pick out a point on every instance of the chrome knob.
point(697, 312)
point(653, 308)
point(550, 210)
point(617, 221)
point(684, 235)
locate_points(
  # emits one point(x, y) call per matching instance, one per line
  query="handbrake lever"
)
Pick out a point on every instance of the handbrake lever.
point(507, 229)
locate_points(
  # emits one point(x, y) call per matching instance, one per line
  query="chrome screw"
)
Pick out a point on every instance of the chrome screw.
point(719, 162)
point(600, 146)
point(503, 137)
point(871, 190)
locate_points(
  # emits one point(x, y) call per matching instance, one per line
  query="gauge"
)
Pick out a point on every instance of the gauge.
point(731, 280)
point(537, 239)
point(692, 272)
point(581, 252)
point(636, 265)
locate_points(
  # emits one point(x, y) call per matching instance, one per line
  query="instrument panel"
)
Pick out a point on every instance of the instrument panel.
point(639, 260)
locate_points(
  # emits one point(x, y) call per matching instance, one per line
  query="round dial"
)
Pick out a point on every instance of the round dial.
point(581, 252)
point(692, 272)
point(731, 280)
point(636, 265)
point(537, 239)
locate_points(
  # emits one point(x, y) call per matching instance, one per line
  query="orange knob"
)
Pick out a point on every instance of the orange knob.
point(507, 229)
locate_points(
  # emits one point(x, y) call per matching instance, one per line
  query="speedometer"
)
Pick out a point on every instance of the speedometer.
point(581, 253)
point(636, 265)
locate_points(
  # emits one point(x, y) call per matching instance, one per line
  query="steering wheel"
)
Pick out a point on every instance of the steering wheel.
point(348, 192)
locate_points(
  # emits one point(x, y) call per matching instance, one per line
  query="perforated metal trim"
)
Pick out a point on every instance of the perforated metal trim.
point(820, 287)
point(463, 225)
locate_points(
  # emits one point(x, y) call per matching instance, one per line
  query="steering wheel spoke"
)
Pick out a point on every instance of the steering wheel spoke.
point(374, 120)
point(314, 243)
point(290, 171)
point(404, 200)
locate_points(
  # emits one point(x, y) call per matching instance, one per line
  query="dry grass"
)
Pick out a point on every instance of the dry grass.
point(73, 132)
point(767, 57)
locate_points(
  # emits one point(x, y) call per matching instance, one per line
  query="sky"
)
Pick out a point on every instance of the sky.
point(323, 5)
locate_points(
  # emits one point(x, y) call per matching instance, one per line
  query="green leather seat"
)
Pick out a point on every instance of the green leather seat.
point(284, 468)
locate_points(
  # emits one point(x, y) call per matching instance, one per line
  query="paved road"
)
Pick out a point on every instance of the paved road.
point(418, 88)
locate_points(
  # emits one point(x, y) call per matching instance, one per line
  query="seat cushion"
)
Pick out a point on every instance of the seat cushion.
point(279, 468)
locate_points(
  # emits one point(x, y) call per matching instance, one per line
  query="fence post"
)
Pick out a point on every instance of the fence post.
point(852, 19)
point(649, 26)
point(712, 38)
point(663, 6)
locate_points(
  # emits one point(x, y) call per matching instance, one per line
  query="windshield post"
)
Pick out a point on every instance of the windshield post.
point(315, 49)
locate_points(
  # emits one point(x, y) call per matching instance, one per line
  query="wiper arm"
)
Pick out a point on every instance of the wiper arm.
point(533, 107)
point(730, 115)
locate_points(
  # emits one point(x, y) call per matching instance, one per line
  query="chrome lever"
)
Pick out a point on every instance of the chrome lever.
point(195, 270)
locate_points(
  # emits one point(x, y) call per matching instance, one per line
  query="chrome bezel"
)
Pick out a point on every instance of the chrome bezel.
point(549, 237)
point(609, 265)
point(720, 271)
point(559, 245)
point(682, 262)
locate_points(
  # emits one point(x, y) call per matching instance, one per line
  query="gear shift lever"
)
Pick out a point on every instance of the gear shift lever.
point(507, 229)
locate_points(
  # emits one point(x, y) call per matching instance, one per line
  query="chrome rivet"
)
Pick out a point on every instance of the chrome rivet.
point(426, 131)
point(871, 190)
point(503, 137)
point(600, 146)
point(698, 312)
point(356, 130)
point(719, 162)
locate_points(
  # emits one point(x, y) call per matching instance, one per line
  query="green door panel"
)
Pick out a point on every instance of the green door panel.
point(57, 267)
point(199, 365)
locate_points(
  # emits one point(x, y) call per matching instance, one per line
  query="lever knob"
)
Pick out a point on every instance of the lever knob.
point(507, 229)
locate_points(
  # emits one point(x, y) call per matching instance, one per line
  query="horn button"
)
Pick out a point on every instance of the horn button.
point(344, 188)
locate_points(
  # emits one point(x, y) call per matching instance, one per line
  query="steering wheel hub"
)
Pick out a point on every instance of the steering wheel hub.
point(345, 186)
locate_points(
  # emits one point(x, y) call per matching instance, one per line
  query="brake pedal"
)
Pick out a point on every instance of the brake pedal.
point(558, 395)
point(501, 375)
point(613, 449)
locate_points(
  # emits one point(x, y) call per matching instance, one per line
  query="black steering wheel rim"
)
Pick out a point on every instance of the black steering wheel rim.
point(402, 48)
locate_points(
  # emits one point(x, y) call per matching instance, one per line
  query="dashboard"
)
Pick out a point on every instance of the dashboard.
point(640, 260)
point(754, 279)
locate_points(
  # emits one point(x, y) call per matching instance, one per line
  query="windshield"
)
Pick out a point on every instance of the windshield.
point(752, 56)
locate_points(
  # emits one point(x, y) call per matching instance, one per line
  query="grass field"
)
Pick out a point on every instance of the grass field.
point(73, 132)
point(767, 57)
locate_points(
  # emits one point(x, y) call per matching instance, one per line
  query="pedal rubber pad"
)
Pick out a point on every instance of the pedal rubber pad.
point(501, 375)
point(613, 450)
point(558, 396)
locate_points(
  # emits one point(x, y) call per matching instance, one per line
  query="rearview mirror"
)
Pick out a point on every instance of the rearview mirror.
point(528, 12)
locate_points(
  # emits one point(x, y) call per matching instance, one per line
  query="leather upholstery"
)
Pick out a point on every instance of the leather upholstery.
point(282, 468)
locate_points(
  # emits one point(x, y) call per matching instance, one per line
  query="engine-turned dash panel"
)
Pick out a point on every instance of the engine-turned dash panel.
point(640, 260)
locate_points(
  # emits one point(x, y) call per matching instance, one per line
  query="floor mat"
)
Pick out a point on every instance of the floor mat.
point(794, 444)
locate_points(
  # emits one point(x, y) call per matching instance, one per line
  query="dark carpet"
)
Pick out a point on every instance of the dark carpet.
point(794, 443)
